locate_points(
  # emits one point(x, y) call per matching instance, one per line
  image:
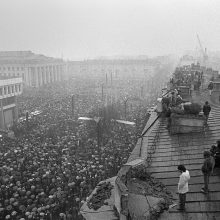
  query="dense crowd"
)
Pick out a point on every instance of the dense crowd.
point(188, 76)
point(54, 162)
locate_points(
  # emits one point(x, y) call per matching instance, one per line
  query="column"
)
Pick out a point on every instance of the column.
point(42, 74)
point(54, 75)
point(60, 70)
point(49, 76)
point(30, 77)
point(36, 76)
point(45, 75)
point(39, 76)
point(57, 70)
point(57, 73)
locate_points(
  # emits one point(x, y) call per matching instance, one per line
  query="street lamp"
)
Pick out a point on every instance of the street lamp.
point(125, 106)
point(72, 104)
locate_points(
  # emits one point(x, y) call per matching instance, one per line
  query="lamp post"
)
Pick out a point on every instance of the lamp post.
point(72, 104)
point(97, 120)
point(27, 122)
point(125, 106)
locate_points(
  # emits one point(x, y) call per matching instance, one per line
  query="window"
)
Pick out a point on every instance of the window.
point(9, 90)
point(12, 89)
point(16, 88)
point(9, 68)
point(1, 91)
point(5, 90)
point(19, 88)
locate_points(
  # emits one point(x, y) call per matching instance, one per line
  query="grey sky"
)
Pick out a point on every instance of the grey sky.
point(91, 28)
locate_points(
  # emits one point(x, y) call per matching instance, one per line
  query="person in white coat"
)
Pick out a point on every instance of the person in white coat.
point(183, 187)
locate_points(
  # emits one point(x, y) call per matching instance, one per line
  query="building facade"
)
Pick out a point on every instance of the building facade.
point(135, 68)
point(34, 69)
point(10, 88)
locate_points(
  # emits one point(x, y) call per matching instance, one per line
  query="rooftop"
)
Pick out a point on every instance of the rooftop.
point(23, 57)
point(10, 81)
point(163, 152)
point(8, 77)
point(187, 149)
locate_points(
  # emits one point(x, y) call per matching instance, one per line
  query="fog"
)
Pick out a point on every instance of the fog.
point(82, 29)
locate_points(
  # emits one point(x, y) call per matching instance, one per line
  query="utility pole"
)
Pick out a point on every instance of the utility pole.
point(97, 120)
point(73, 103)
point(27, 122)
point(102, 93)
point(125, 106)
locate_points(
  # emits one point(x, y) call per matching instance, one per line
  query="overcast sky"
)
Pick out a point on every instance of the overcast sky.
point(80, 29)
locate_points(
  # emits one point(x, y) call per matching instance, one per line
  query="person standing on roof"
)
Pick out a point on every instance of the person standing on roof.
point(217, 154)
point(210, 87)
point(183, 187)
point(206, 110)
point(206, 170)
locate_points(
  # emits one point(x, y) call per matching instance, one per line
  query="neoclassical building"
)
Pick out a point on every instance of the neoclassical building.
point(34, 69)
point(136, 68)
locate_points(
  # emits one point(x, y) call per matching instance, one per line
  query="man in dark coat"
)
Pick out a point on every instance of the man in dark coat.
point(206, 170)
point(206, 110)
point(210, 87)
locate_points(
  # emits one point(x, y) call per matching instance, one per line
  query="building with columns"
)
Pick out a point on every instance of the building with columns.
point(34, 69)
point(121, 68)
point(10, 88)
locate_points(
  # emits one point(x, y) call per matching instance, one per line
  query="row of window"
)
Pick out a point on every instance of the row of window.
point(10, 89)
point(11, 68)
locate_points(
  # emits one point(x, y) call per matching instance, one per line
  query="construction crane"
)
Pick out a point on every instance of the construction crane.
point(203, 51)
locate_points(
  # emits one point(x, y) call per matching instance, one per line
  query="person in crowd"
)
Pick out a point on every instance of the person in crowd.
point(199, 83)
point(206, 170)
point(206, 110)
point(210, 87)
point(191, 89)
point(172, 98)
point(217, 154)
point(213, 151)
point(183, 187)
point(179, 100)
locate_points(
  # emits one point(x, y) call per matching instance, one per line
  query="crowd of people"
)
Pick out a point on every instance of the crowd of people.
point(188, 76)
point(55, 161)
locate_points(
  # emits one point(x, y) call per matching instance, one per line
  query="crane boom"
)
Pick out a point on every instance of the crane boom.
point(205, 57)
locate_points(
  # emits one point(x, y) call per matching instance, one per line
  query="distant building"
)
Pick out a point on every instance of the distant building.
point(34, 69)
point(10, 88)
point(119, 68)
